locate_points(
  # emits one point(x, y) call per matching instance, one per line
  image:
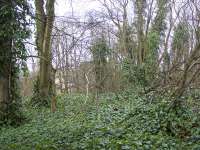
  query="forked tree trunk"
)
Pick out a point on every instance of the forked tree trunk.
point(44, 24)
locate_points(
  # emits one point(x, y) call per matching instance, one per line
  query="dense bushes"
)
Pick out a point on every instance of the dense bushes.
point(123, 121)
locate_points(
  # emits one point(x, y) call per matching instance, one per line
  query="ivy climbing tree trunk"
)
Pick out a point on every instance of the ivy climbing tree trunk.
point(13, 31)
point(140, 9)
point(44, 24)
point(4, 80)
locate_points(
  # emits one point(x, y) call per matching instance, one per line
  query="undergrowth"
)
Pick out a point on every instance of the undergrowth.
point(123, 121)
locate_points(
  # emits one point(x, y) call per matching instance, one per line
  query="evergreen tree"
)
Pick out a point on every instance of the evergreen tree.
point(100, 51)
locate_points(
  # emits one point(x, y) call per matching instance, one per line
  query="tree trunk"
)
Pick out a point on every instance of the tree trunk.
point(140, 5)
point(44, 24)
point(5, 76)
point(4, 97)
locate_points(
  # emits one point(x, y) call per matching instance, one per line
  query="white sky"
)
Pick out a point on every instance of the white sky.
point(80, 7)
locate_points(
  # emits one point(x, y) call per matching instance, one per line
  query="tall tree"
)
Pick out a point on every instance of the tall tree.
point(155, 38)
point(44, 25)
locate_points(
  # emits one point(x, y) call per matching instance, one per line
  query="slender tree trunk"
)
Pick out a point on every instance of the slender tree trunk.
point(65, 73)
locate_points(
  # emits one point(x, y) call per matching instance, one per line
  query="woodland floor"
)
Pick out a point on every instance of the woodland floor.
point(123, 122)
